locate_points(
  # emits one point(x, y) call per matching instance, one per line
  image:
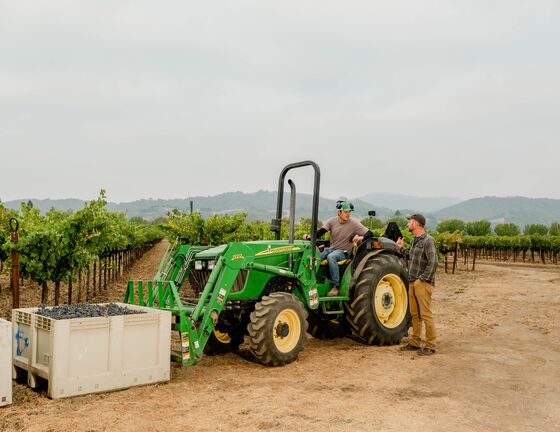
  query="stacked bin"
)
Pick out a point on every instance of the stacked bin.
point(90, 355)
point(5, 362)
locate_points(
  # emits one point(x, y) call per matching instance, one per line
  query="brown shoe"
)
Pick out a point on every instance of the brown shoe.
point(333, 292)
point(410, 347)
point(426, 352)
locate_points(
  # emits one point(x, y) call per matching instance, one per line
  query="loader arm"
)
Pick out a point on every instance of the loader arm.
point(195, 321)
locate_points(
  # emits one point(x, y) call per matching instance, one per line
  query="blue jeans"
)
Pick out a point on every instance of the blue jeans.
point(333, 256)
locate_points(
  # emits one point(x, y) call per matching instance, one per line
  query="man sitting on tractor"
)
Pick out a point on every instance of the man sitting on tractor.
point(345, 232)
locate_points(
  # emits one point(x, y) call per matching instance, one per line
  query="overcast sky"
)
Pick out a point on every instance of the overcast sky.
point(181, 98)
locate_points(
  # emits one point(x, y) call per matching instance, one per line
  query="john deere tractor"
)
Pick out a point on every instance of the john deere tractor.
point(274, 292)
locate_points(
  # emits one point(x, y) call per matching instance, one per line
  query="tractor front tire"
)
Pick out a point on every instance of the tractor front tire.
point(378, 312)
point(277, 329)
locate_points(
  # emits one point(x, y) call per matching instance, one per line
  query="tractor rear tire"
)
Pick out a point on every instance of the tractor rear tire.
point(277, 329)
point(223, 342)
point(378, 312)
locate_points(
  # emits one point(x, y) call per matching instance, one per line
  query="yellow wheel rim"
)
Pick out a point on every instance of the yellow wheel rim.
point(390, 301)
point(286, 330)
point(222, 337)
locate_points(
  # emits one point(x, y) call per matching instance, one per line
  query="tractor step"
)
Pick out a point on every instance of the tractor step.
point(337, 298)
point(332, 305)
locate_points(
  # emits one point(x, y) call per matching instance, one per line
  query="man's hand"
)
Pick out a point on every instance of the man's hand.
point(306, 237)
point(400, 243)
point(357, 238)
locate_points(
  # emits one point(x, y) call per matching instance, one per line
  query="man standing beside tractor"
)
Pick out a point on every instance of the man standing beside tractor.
point(422, 265)
point(345, 232)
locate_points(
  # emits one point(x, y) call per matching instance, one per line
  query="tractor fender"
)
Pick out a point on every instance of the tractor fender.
point(362, 264)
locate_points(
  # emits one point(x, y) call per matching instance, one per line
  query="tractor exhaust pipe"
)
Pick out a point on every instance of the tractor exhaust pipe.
point(292, 210)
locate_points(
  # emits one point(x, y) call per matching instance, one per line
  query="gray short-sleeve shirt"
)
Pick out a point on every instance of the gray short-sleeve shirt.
point(342, 233)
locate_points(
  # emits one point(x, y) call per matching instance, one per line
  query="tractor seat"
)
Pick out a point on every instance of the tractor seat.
point(344, 261)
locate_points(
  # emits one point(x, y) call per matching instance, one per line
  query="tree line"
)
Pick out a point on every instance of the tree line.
point(484, 228)
point(475, 240)
point(91, 245)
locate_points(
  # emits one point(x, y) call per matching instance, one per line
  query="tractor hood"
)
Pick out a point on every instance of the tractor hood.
point(260, 247)
point(212, 252)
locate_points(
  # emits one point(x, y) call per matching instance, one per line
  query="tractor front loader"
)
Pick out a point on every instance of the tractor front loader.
point(273, 292)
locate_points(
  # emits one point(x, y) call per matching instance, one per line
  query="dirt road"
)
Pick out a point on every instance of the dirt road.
point(497, 369)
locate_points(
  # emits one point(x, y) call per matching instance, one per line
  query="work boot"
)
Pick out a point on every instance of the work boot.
point(410, 347)
point(333, 291)
point(426, 352)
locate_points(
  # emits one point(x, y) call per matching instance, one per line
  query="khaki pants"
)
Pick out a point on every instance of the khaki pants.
point(420, 299)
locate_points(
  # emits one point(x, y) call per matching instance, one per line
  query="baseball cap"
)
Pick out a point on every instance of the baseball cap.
point(344, 206)
point(418, 218)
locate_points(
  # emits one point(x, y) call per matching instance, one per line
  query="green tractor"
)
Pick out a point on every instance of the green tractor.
point(274, 292)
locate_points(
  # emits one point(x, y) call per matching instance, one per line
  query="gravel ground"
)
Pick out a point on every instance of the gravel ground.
point(496, 369)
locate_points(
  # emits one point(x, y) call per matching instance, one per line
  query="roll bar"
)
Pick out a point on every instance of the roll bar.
point(276, 223)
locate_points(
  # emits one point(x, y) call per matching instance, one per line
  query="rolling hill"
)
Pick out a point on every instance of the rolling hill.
point(420, 204)
point(261, 205)
point(518, 210)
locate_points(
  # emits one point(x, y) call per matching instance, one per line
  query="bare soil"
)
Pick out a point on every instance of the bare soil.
point(497, 368)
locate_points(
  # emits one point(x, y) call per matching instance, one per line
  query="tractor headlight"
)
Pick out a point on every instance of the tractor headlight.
point(211, 265)
point(198, 265)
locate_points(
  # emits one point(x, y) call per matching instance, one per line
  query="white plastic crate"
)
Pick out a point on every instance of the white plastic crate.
point(5, 362)
point(90, 355)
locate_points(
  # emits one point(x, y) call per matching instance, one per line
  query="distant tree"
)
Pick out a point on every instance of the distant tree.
point(160, 220)
point(303, 227)
point(138, 220)
point(401, 221)
point(188, 226)
point(478, 228)
point(220, 229)
point(372, 222)
point(451, 225)
point(507, 229)
point(554, 229)
point(30, 204)
point(531, 229)
point(397, 213)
